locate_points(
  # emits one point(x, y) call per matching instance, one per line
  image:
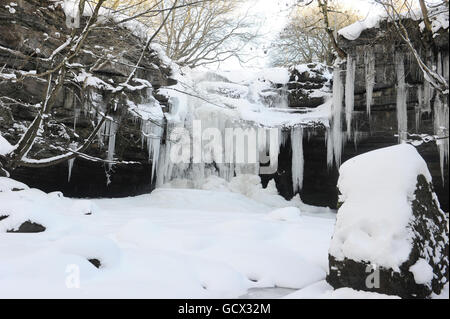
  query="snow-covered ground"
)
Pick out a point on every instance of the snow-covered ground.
point(172, 243)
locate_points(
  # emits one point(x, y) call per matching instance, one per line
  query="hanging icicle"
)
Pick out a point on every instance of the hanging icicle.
point(369, 69)
point(402, 115)
point(110, 133)
point(441, 116)
point(335, 139)
point(349, 93)
point(72, 146)
point(297, 158)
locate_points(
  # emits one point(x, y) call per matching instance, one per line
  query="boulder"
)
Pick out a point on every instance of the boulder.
point(28, 227)
point(95, 262)
point(391, 236)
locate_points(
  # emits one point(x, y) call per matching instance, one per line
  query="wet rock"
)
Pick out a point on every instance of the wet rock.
point(95, 262)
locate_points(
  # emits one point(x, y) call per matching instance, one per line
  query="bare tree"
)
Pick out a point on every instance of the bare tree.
point(396, 17)
point(201, 32)
point(305, 38)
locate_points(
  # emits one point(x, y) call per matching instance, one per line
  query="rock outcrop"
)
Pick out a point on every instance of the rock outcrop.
point(380, 129)
point(28, 36)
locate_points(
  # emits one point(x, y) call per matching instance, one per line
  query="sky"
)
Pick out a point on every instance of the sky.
point(273, 14)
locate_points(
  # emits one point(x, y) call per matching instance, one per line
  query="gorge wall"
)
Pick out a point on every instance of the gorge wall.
point(379, 49)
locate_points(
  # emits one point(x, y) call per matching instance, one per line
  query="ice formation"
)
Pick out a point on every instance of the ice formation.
point(335, 135)
point(441, 116)
point(349, 93)
point(230, 124)
point(369, 70)
point(297, 158)
point(110, 129)
point(72, 146)
point(402, 116)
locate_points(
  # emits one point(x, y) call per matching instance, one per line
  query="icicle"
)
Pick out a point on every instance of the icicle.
point(151, 134)
point(441, 119)
point(369, 69)
point(274, 148)
point(72, 146)
point(335, 139)
point(402, 115)
point(110, 131)
point(76, 116)
point(329, 144)
point(419, 107)
point(427, 94)
point(349, 93)
point(297, 158)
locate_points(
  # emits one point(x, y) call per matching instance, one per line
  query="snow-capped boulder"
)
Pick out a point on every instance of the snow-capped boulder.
point(390, 236)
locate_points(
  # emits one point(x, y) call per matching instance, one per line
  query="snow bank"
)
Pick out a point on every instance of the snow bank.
point(291, 214)
point(53, 211)
point(438, 16)
point(8, 184)
point(198, 244)
point(322, 290)
point(377, 188)
point(5, 146)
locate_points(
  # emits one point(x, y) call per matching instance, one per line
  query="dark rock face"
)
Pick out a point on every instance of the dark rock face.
point(95, 262)
point(430, 242)
point(302, 83)
point(380, 129)
point(3, 217)
point(29, 36)
point(28, 227)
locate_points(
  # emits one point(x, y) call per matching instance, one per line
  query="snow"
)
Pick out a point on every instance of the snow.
point(5, 146)
point(422, 271)
point(322, 290)
point(285, 214)
point(7, 184)
point(172, 243)
point(377, 188)
point(217, 242)
point(438, 15)
point(354, 30)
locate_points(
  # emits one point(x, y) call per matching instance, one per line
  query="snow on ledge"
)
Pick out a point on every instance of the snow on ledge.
point(377, 189)
point(353, 31)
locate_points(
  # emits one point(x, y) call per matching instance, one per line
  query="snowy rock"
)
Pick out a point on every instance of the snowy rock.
point(391, 236)
point(28, 227)
point(309, 85)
